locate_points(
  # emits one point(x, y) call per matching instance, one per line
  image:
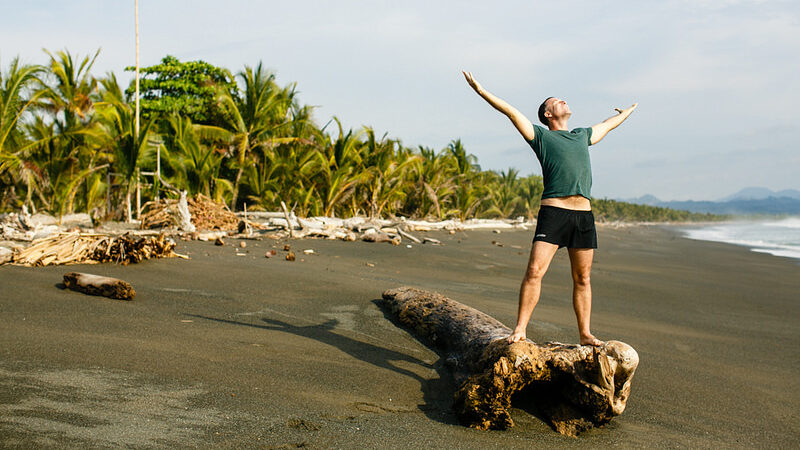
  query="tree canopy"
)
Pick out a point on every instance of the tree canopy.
point(185, 88)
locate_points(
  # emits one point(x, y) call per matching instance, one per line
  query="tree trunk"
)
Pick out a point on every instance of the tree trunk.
point(99, 285)
point(236, 188)
point(575, 387)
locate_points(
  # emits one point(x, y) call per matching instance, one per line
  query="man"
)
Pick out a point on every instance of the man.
point(565, 217)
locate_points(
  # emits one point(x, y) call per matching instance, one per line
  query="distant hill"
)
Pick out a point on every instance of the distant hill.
point(752, 200)
point(760, 193)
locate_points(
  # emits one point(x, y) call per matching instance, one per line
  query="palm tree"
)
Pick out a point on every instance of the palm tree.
point(15, 100)
point(338, 177)
point(128, 150)
point(530, 191)
point(504, 196)
point(255, 118)
point(385, 169)
point(55, 163)
point(194, 165)
point(433, 179)
point(67, 96)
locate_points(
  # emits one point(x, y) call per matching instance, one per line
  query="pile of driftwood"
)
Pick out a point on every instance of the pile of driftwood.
point(285, 224)
point(206, 214)
point(89, 248)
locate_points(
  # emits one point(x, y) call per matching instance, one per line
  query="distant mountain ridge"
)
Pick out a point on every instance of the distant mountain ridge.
point(750, 200)
point(760, 193)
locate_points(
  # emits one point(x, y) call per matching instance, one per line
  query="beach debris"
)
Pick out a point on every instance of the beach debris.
point(206, 214)
point(290, 256)
point(373, 235)
point(309, 251)
point(99, 285)
point(242, 244)
point(219, 241)
point(286, 247)
point(184, 216)
point(24, 227)
point(77, 247)
point(6, 255)
point(351, 229)
point(430, 240)
point(369, 265)
point(207, 235)
point(270, 253)
point(574, 387)
point(408, 236)
point(289, 225)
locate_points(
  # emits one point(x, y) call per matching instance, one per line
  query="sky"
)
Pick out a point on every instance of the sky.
point(717, 81)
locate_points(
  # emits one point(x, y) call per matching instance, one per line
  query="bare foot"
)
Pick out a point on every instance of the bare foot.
point(516, 336)
point(591, 340)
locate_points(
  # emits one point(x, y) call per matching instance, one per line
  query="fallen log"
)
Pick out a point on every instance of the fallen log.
point(574, 387)
point(88, 283)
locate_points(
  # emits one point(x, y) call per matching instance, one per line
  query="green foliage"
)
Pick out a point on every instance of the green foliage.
point(184, 88)
point(69, 140)
point(15, 100)
point(606, 210)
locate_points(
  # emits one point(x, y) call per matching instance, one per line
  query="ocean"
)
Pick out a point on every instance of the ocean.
point(779, 237)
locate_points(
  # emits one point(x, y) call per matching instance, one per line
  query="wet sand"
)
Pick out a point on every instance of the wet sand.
point(244, 351)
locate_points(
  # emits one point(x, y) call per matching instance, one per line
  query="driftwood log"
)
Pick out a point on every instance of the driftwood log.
point(573, 387)
point(99, 285)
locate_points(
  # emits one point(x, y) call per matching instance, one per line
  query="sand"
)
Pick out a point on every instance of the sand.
point(245, 351)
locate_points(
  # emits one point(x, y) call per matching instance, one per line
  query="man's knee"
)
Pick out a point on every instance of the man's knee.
point(534, 274)
point(581, 278)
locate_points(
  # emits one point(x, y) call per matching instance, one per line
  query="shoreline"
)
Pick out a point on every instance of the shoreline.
point(246, 351)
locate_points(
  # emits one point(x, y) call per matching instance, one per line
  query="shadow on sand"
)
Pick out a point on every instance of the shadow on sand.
point(437, 392)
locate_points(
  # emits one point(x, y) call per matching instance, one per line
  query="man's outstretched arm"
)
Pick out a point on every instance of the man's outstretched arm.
point(600, 130)
point(523, 125)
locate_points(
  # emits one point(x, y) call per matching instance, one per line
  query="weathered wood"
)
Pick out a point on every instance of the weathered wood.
point(380, 236)
point(288, 222)
point(99, 285)
point(408, 236)
point(575, 387)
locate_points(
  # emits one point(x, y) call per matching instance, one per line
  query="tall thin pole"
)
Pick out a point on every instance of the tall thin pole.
point(136, 7)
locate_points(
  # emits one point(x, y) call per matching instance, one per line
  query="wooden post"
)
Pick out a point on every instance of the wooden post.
point(158, 171)
point(246, 223)
point(136, 13)
point(288, 222)
point(108, 193)
point(138, 196)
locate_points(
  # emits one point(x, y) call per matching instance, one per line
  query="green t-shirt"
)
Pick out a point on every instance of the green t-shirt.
point(564, 156)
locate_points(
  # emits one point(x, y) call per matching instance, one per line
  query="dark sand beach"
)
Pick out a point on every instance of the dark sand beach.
point(245, 351)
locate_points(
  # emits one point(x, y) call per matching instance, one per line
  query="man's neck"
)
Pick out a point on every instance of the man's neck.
point(555, 125)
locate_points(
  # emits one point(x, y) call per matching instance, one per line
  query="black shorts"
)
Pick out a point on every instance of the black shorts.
point(566, 227)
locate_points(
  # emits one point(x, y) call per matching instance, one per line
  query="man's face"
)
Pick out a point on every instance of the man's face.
point(557, 108)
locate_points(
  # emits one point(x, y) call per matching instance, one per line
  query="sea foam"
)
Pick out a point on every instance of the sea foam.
point(776, 237)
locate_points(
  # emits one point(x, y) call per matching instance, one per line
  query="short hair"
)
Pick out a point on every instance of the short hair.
point(542, 108)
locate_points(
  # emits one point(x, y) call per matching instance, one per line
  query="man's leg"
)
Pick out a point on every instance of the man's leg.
point(581, 262)
point(541, 255)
